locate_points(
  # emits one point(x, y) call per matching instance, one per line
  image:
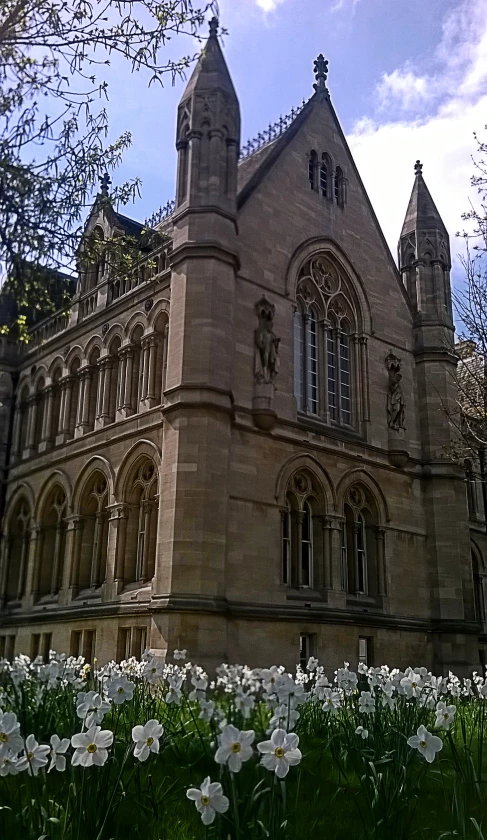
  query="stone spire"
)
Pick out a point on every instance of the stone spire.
point(321, 73)
point(421, 213)
point(208, 132)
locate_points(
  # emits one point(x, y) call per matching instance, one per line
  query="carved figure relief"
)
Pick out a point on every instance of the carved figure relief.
point(266, 344)
point(395, 396)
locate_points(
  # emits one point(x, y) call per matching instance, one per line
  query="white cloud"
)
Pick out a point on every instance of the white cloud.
point(344, 4)
point(450, 103)
point(268, 5)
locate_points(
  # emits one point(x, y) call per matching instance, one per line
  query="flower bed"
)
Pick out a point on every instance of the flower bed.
point(144, 749)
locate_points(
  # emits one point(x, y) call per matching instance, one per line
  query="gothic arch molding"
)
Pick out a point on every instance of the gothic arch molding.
point(305, 462)
point(162, 306)
point(95, 464)
point(360, 476)
point(56, 477)
point(138, 318)
point(319, 244)
point(22, 489)
point(141, 448)
point(116, 330)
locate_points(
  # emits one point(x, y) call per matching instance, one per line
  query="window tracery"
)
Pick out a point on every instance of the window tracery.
point(325, 328)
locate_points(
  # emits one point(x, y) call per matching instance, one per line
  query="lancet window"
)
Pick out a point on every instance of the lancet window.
point(302, 539)
point(325, 335)
point(50, 559)
point(362, 546)
point(142, 525)
point(17, 551)
point(92, 535)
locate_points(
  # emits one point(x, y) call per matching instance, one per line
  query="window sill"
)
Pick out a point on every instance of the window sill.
point(305, 595)
point(365, 602)
point(316, 424)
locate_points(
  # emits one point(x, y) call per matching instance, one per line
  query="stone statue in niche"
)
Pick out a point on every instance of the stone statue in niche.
point(266, 344)
point(395, 396)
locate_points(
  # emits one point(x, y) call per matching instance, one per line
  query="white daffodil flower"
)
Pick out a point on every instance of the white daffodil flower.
point(366, 703)
point(91, 708)
point(153, 670)
point(426, 743)
point(331, 700)
point(35, 756)
point(209, 800)
point(234, 747)
point(10, 738)
point(412, 684)
point(244, 703)
point(281, 752)
point(58, 748)
point(207, 710)
point(180, 654)
point(120, 690)
point(146, 739)
point(444, 715)
point(8, 764)
point(364, 733)
point(91, 747)
point(312, 663)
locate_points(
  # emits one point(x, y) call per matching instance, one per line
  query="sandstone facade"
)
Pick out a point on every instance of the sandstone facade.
point(243, 450)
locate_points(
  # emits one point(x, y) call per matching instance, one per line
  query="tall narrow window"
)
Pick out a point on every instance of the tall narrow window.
point(306, 546)
point(339, 187)
point(286, 543)
point(324, 176)
point(312, 169)
point(361, 555)
point(312, 359)
point(299, 359)
point(345, 402)
point(332, 376)
point(364, 651)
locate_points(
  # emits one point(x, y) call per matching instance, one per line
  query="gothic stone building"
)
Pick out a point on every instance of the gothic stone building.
point(242, 450)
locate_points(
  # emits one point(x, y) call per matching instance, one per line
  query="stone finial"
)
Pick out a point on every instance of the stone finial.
point(418, 167)
point(321, 72)
point(105, 182)
point(214, 27)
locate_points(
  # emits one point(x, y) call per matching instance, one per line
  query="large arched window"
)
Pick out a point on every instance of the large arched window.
point(302, 534)
point(142, 525)
point(91, 557)
point(362, 550)
point(50, 562)
point(17, 551)
point(326, 323)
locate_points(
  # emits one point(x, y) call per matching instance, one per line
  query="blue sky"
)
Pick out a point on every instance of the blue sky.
point(408, 80)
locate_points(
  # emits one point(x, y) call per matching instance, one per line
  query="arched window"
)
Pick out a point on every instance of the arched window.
point(115, 399)
point(17, 551)
point(142, 525)
point(325, 325)
point(49, 565)
point(313, 170)
point(39, 412)
point(362, 545)
point(326, 176)
point(23, 417)
point(56, 403)
point(161, 332)
point(93, 534)
point(302, 535)
point(478, 586)
point(74, 393)
point(306, 373)
point(340, 187)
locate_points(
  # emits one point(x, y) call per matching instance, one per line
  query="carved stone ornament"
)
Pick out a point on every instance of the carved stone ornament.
point(266, 344)
point(395, 396)
point(148, 305)
point(105, 329)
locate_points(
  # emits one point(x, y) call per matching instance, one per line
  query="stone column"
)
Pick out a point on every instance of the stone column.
point(85, 410)
point(145, 368)
point(121, 384)
point(31, 424)
point(164, 362)
point(16, 433)
point(338, 572)
point(65, 413)
point(97, 547)
point(151, 375)
point(117, 534)
point(326, 549)
point(56, 566)
point(128, 396)
point(364, 378)
point(101, 390)
point(76, 526)
point(105, 394)
point(34, 565)
point(148, 512)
